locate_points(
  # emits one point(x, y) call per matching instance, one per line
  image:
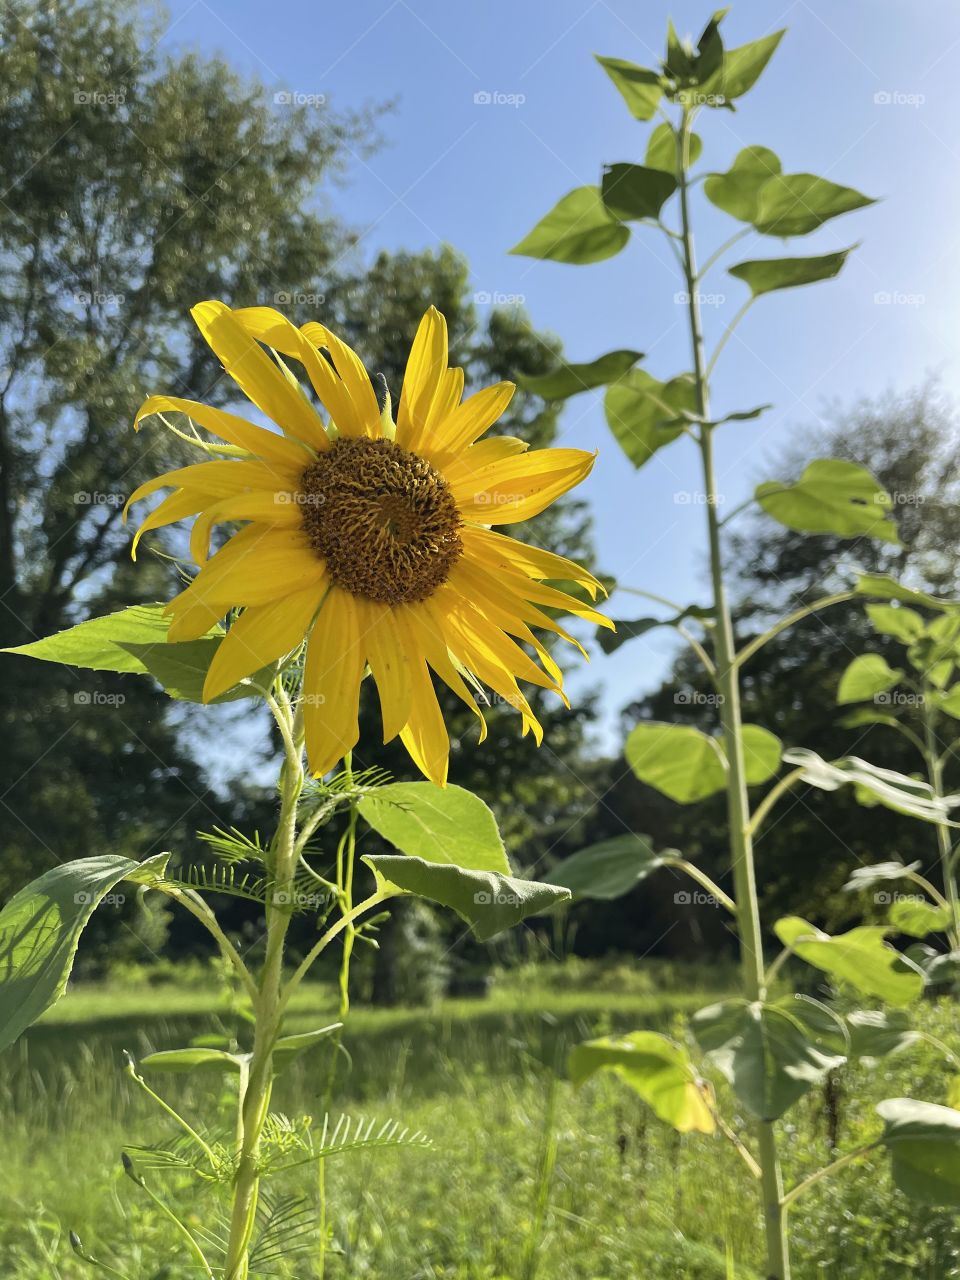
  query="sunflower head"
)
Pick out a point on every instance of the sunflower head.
point(371, 542)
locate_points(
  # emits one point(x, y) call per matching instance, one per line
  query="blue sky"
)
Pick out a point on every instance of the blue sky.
point(861, 92)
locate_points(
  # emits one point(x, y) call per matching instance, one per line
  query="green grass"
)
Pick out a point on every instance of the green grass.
point(525, 1179)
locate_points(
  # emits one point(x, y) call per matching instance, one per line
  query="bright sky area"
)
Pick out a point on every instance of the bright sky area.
point(862, 92)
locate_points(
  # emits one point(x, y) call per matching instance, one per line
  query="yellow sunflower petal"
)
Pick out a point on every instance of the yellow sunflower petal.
point(279, 509)
point(426, 628)
point(256, 566)
point(425, 734)
point(522, 486)
point(176, 506)
point(426, 367)
point(477, 456)
point(390, 661)
point(499, 551)
point(263, 444)
point(508, 607)
point(365, 417)
point(469, 421)
point(255, 373)
point(219, 480)
point(331, 682)
point(260, 636)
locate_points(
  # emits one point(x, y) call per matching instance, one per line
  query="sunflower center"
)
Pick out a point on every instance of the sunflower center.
point(384, 520)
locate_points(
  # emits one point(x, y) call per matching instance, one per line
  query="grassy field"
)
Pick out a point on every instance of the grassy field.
point(523, 1180)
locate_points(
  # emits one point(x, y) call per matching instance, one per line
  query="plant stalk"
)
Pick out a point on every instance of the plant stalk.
point(944, 839)
point(741, 841)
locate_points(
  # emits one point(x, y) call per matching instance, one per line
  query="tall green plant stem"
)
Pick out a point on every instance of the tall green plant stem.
point(255, 1101)
point(934, 762)
point(738, 808)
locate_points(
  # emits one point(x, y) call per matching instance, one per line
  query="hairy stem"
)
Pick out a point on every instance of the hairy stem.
point(741, 840)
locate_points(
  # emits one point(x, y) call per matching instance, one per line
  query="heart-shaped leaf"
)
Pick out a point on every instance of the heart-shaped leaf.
point(579, 229)
point(645, 414)
point(905, 625)
point(438, 824)
point(831, 496)
point(640, 88)
point(656, 1068)
point(876, 1032)
point(611, 868)
point(570, 379)
point(634, 192)
point(923, 1140)
point(737, 191)
point(767, 275)
point(861, 958)
point(794, 204)
point(865, 677)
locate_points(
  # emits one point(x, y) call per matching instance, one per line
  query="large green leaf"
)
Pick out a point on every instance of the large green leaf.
point(881, 586)
point(688, 765)
point(103, 644)
point(905, 625)
point(831, 496)
point(570, 379)
point(923, 1140)
point(40, 928)
point(740, 69)
point(876, 1032)
point(766, 275)
point(640, 87)
point(579, 229)
point(182, 669)
point(677, 760)
point(737, 191)
point(438, 824)
point(794, 204)
point(645, 414)
point(662, 149)
point(865, 677)
point(860, 958)
point(873, 785)
point(918, 918)
point(488, 902)
point(611, 868)
point(771, 1053)
point(632, 191)
point(656, 1068)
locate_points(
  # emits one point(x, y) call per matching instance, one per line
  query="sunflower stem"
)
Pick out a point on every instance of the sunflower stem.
point(738, 806)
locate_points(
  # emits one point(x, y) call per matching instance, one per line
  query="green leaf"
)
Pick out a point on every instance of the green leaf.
point(180, 1061)
point(741, 68)
point(794, 204)
point(765, 275)
point(882, 587)
point(656, 1068)
point(923, 1140)
point(40, 928)
point(488, 902)
point(876, 1032)
point(881, 786)
point(831, 496)
point(737, 191)
point(950, 702)
point(438, 824)
point(182, 669)
point(677, 760)
point(632, 191)
point(866, 676)
point(687, 765)
point(289, 1048)
point(579, 229)
point(611, 868)
point(640, 87)
point(570, 379)
point(918, 918)
point(662, 149)
point(860, 958)
point(645, 414)
point(770, 1053)
point(864, 716)
point(633, 628)
point(905, 625)
point(103, 644)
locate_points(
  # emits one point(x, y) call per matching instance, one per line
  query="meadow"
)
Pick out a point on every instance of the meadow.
point(523, 1177)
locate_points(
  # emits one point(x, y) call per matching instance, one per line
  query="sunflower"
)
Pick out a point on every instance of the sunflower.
point(370, 541)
